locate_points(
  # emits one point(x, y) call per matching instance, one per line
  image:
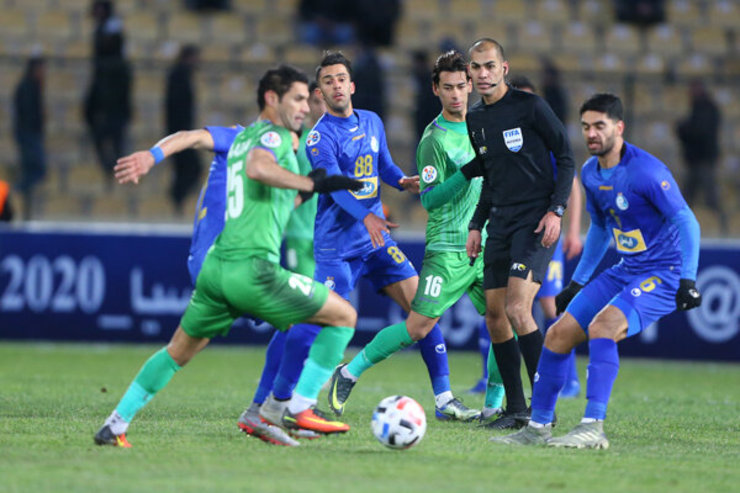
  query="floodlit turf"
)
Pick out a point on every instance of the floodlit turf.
point(673, 426)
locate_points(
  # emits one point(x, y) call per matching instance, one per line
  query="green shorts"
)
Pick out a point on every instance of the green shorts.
point(228, 289)
point(444, 278)
point(299, 256)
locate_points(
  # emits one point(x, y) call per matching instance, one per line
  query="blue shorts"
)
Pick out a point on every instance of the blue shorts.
point(552, 284)
point(642, 297)
point(382, 267)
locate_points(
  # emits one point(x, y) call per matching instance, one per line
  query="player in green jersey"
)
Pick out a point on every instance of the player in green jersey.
point(450, 201)
point(241, 273)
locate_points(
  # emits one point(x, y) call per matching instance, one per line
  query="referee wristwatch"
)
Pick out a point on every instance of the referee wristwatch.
point(558, 210)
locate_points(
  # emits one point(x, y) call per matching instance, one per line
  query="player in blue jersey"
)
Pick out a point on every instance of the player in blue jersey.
point(352, 241)
point(208, 223)
point(632, 197)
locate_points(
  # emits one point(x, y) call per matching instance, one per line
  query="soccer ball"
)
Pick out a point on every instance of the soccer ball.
point(399, 422)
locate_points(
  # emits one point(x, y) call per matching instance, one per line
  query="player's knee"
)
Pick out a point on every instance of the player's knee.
point(517, 311)
point(559, 338)
point(347, 317)
point(418, 332)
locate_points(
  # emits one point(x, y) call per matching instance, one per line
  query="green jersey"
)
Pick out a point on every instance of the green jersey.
point(443, 149)
point(303, 217)
point(256, 214)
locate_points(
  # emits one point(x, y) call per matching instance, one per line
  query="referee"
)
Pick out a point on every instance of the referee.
point(514, 134)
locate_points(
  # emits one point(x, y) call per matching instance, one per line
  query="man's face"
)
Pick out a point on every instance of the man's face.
point(453, 90)
point(293, 106)
point(488, 70)
point(600, 132)
point(316, 105)
point(336, 87)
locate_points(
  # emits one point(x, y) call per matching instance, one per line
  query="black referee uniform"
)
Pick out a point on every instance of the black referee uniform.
point(515, 140)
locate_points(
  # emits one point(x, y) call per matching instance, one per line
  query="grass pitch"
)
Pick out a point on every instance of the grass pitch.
point(673, 426)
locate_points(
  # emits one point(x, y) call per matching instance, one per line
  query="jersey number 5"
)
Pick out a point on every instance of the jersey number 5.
point(235, 190)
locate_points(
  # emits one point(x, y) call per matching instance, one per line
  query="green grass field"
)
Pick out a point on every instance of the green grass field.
point(673, 426)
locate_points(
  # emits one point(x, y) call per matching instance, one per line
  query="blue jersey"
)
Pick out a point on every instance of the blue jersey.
point(635, 201)
point(211, 206)
point(355, 147)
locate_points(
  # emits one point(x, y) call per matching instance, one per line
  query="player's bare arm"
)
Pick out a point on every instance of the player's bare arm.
point(572, 243)
point(130, 168)
point(261, 166)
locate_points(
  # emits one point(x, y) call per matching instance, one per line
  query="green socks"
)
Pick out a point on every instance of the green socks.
point(153, 376)
point(326, 353)
point(384, 344)
point(495, 388)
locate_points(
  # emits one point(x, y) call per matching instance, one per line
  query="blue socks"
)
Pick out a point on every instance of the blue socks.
point(434, 352)
point(552, 371)
point(602, 372)
point(297, 344)
point(273, 356)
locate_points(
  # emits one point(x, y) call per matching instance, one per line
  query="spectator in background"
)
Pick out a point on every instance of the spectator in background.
point(553, 91)
point(326, 22)
point(28, 127)
point(375, 21)
point(6, 209)
point(107, 105)
point(180, 115)
point(641, 12)
point(369, 79)
point(426, 104)
point(699, 137)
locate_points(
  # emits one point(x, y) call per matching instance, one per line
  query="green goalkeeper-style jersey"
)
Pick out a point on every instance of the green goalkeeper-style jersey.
point(256, 214)
point(443, 149)
point(303, 217)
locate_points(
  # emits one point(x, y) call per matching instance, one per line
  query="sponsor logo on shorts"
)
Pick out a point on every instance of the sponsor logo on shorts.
point(518, 267)
point(622, 203)
point(429, 174)
point(313, 138)
point(514, 139)
point(271, 139)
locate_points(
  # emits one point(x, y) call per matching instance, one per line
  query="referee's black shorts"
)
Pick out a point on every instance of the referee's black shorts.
point(513, 249)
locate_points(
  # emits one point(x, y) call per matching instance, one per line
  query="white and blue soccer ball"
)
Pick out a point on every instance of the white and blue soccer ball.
point(399, 422)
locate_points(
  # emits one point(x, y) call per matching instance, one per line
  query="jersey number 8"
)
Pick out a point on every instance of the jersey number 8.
point(364, 165)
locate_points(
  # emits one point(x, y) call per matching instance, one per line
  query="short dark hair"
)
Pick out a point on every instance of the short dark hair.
point(450, 61)
point(278, 79)
point(604, 103)
point(334, 58)
point(312, 86)
point(522, 82)
point(482, 44)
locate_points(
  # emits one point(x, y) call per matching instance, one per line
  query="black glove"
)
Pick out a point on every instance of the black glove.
point(687, 296)
point(563, 297)
point(323, 183)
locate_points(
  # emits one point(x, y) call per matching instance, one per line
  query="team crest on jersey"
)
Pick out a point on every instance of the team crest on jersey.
point(429, 174)
point(514, 139)
point(312, 138)
point(374, 144)
point(329, 283)
point(315, 151)
point(622, 203)
point(271, 139)
point(665, 185)
point(636, 292)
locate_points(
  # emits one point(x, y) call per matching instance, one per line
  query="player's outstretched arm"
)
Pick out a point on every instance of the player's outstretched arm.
point(130, 168)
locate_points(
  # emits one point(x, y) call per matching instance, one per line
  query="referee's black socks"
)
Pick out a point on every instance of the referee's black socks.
point(531, 348)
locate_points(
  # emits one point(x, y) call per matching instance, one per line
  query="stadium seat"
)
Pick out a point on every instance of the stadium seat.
point(54, 26)
point(695, 65)
point(464, 10)
point(275, 30)
point(650, 64)
point(577, 37)
point(422, 9)
point(228, 28)
point(510, 11)
point(15, 25)
point(549, 11)
point(535, 36)
point(709, 40)
point(623, 39)
point(596, 12)
point(143, 26)
point(665, 40)
point(499, 31)
point(186, 27)
point(725, 13)
point(684, 13)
